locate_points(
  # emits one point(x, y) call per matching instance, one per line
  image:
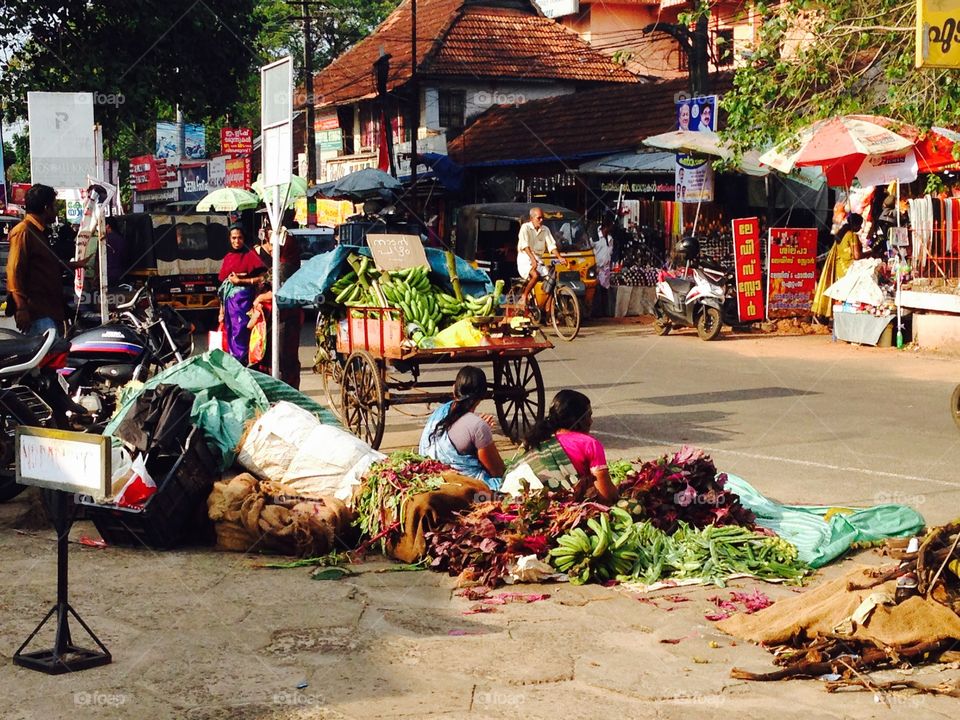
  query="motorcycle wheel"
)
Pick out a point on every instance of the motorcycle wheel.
point(661, 326)
point(709, 324)
point(12, 414)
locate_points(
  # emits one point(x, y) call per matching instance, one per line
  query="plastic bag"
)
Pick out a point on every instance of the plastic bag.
point(461, 334)
point(217, 339)
point(139, 488)
point(258, 337)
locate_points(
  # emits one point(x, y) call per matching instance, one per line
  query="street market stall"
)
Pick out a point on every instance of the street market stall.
point(400, 332)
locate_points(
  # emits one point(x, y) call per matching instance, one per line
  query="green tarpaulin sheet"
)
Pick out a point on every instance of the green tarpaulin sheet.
point(818, 540)
point(228, 395)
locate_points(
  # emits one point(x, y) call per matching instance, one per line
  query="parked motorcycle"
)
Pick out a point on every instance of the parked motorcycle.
point(140, 338)
point(31, 393)
point(695, 297)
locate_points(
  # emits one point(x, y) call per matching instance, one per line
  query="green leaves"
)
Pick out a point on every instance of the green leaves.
point(814, 60)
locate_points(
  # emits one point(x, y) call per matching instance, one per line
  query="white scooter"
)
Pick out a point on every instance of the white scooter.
point(693, 297)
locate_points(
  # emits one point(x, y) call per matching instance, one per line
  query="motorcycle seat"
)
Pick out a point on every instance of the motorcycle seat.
point(15, 351)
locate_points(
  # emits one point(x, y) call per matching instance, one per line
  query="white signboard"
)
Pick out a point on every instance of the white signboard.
point(430, 144)
point(217, 173)
point(62, 147)
point(277, 156)
point(559, 8)
point(276, 114)
point(61, 460)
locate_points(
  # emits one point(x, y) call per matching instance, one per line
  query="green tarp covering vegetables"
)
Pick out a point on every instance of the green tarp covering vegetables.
point(819, 539)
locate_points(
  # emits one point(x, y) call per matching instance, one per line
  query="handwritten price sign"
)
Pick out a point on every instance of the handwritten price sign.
point(938, 33)
point(62, 460)
point(395, 252)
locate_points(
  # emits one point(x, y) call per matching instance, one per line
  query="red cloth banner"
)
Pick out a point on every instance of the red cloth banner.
point(746, 253)
point(238, 141)
point(792, 276)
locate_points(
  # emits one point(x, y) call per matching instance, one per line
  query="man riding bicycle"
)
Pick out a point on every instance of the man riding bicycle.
point(533, 240)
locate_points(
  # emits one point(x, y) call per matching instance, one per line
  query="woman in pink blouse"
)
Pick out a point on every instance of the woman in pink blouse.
point(562, 452)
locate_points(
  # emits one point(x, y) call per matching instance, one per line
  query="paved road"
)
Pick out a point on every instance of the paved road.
point(804, 419)
point(202, 635)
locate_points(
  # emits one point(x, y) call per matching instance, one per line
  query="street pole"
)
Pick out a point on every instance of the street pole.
point(308, 81)
point(415, 110)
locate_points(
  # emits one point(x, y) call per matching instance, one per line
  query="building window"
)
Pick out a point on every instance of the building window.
point(452, 106)
point(723, 47)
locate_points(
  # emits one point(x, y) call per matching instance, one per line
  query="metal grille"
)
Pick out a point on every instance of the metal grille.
point(935, 254)
point(33, 402)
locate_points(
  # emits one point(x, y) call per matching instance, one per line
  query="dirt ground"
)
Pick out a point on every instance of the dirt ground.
point(201, 635)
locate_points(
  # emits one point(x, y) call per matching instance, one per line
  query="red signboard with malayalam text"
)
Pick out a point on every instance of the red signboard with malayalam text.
point(792, 274)
point(238, 173)
point(237, 141)
point(144, 174)
point(746, 253)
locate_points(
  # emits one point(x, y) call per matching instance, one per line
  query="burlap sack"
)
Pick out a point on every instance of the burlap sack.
point(428, 511)
point(267, 517)
point(825, 609)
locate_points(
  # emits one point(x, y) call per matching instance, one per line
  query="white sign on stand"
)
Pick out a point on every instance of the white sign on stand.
point(62, 460)
point(276, 126)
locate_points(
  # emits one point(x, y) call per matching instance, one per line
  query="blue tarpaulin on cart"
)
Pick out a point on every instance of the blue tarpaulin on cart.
point(311, 283)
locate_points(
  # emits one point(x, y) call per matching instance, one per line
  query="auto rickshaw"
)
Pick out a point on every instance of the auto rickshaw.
point(487, 234)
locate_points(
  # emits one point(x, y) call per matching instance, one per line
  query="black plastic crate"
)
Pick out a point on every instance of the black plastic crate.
point(174, 513)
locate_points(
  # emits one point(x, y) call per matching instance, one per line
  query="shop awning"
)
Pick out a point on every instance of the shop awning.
point(631, 163)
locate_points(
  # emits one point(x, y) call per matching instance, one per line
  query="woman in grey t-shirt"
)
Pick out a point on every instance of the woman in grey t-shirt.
point(456, 435)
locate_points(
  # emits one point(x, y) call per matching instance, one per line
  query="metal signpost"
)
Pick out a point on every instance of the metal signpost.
point(276, 123)
point(62, 463)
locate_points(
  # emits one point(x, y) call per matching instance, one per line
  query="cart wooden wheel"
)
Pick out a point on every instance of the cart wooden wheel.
point(518, 394)
point(363, 406)
point(327, 362)
point(332, 373)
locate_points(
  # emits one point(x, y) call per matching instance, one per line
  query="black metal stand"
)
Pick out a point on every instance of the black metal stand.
point(64, 656)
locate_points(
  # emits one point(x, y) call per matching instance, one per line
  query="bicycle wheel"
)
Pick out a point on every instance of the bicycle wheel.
point(565, 315)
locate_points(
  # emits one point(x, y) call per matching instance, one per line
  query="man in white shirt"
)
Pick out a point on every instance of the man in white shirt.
point(534, 239)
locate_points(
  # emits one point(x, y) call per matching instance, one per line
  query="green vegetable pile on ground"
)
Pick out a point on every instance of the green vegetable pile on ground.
point(385, 489)
point(618, 548)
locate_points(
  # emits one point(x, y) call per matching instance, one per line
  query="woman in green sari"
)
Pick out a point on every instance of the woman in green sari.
point(562, 453)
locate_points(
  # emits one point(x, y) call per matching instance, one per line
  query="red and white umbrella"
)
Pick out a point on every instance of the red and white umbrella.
point(934, 151)
point(839, 146)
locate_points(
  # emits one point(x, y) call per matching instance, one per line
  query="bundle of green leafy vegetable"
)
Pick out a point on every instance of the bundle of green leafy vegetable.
point(614, 546)
point(385, 489)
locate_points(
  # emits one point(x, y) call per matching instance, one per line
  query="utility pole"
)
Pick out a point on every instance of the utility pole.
point(308, 82)
point(694, 43)
point(415, 94)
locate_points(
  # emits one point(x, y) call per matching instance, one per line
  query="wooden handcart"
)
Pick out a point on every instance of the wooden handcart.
point(368, 366)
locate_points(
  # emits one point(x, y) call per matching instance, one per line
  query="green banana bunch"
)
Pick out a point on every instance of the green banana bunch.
point(603, 554)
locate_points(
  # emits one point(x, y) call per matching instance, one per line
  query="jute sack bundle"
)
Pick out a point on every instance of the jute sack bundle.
point(427, 511)
point(249, 516)
point(828, 609)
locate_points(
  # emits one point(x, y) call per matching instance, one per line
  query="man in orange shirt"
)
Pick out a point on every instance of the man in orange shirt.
point(34, 271)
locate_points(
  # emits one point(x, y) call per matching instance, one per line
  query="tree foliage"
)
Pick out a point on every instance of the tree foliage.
point(816, 59)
